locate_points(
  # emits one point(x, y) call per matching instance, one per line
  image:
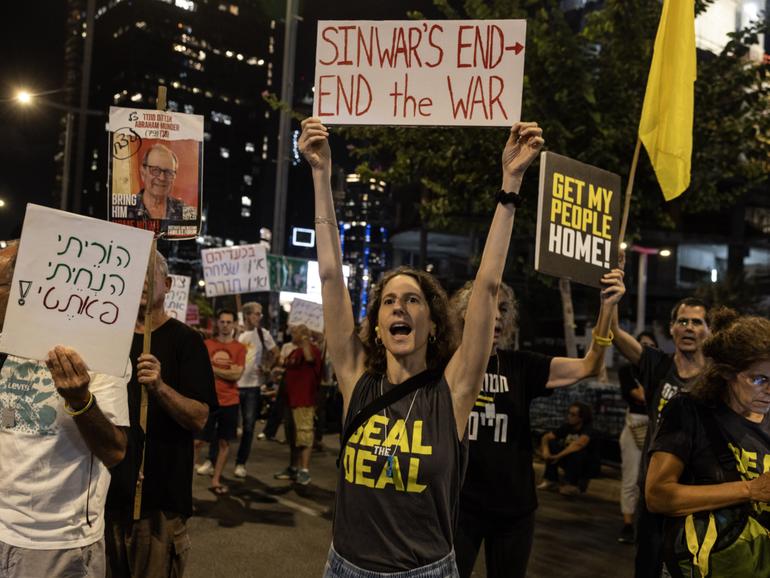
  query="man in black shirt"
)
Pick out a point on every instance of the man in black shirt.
point(662, 376)
point(180, 385)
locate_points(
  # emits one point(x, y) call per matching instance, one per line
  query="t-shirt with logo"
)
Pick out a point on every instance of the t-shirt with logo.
point(252, 375)
point(660, 380)
point(225, 355)
point(500, 480)
point(52, 488)
point(401, 521)
point(681, 432)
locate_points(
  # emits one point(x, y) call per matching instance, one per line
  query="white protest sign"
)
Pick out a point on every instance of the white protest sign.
point(176, 299)
point(307, 313)
point(235, 270)
point(420, 72)
point(77, 282)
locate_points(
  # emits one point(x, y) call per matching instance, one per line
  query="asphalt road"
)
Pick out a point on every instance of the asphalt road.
point(266, 528)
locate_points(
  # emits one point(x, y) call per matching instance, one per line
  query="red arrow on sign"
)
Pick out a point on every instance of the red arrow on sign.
point(518, 47)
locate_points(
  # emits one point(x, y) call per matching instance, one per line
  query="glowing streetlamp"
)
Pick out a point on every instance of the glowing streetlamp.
point(24, 97)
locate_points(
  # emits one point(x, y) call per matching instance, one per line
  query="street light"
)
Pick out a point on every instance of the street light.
point(641, 301)
point(24, 97)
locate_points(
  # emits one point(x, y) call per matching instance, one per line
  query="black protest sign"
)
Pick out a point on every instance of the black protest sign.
point(578, 220)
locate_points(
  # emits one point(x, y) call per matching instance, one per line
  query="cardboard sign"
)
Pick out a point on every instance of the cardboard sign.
point(578, 220)
point(307, 313)
point(156, 171)
point(235, 270)
point(420, 72)
point(77, 282)
point(176, 299)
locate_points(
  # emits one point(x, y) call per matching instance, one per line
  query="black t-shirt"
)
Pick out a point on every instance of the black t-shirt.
point(681, 432)
point(629, 380)
point(185, 367)
point(393, 523)
point(500, 480)
point(660, 380)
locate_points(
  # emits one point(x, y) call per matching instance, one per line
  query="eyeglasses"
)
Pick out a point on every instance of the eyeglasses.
point(684, 322)
point(757, 380)
point(157, 171)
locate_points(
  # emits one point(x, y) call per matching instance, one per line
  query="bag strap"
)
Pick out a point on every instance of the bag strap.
point(378, 404)
point(718, 443)
point(261, 340)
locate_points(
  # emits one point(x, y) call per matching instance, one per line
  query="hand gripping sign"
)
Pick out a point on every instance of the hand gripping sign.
point(77, 282)
point(420, 72)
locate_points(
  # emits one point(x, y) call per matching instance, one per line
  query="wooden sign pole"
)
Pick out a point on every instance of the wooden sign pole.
point(160, 105)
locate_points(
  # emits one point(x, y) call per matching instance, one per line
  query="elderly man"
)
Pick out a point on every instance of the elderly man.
point(180, 387)
point(60, 431)
point(158, 171)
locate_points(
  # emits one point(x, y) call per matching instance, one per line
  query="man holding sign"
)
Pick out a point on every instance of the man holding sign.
point(180, 388)
point(52, 428)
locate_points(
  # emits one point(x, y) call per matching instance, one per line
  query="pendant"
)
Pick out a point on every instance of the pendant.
point(389, 467)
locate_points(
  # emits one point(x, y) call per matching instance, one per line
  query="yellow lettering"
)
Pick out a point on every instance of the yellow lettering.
point(595, 197)
point(766, 464)
point(579, 186)
point(384, 479)
point(555, 209)
point(607, 199)
point(363, 468)
point(398, 480)
point(417, 447)
point(558, 186)
point(348, 463)
point(356, 437)
point(373, 430)
point(606, 220)
point(394, 435)
point(412, 484)
point(749, 460)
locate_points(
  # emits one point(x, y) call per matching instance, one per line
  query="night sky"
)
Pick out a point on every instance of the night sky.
point(32, 36)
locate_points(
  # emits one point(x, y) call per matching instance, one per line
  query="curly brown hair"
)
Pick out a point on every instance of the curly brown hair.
point(736, 342)
point(439, 351)
point(458, 305)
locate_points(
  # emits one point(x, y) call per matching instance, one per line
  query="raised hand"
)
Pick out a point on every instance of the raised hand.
point(523, 145)
point(70, 375)
point(314, 144)
point(614, 287)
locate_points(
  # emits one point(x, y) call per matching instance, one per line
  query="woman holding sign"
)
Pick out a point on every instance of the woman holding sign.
point(406, 397)
point(498, 501)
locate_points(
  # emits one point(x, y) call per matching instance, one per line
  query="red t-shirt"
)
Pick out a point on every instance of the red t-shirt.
point(302, 377)
point(223, 355)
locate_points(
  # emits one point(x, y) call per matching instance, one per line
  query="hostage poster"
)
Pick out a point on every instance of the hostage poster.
point(156, 171)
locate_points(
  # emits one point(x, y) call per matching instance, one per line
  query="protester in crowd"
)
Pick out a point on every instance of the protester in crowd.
point(180, 393)
point(498, 499)
point(228, 358)
point(399, 485)
point(572, 447)
point(261, 355)
point(662, 376)
point(632, 438)
point(52, 426)
point(710, 456)
point(302, 363)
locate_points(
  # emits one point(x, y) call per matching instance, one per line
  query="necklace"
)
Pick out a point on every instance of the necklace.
point(389, 457)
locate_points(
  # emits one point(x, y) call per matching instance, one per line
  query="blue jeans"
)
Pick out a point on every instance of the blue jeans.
point(251, 402)
point(338, 567)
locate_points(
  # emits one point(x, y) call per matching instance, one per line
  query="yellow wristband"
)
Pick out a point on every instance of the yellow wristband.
point(603, 341)
point(84, 409)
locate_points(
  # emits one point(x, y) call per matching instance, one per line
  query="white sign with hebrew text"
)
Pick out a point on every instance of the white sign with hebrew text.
point(77, 282)
point(307, 313)
point(235, 270)
point(176, 299)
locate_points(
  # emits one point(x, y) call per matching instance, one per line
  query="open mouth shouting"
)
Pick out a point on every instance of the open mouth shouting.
point(400, 329)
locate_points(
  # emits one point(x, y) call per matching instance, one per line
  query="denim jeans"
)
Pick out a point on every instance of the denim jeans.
point(338, 567)
point(251, 402)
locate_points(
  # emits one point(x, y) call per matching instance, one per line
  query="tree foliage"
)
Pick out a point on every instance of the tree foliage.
point(584, 82)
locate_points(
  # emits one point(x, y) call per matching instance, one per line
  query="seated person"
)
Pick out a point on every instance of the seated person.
point(570, 448)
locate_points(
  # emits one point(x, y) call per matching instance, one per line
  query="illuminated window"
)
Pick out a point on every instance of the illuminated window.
point(249, 147)
point(224, 153)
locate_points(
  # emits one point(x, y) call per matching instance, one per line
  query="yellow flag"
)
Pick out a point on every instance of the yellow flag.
point(665, 128)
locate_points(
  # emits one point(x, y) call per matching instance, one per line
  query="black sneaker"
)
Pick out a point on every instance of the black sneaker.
point(289, 473)
point(627, 535)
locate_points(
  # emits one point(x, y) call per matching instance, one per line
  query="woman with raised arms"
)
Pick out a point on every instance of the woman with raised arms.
point(401, 472)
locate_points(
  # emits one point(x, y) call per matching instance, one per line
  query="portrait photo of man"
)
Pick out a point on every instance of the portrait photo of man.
point(158, 173)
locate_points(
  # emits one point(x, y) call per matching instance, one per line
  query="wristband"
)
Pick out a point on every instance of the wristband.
point(603, 341)
point(84, 409)
point(506, 198)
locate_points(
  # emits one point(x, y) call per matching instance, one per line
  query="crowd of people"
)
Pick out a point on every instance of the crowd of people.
point(435, 424)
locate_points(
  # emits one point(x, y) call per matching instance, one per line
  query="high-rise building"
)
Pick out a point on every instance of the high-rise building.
point(216, 58)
